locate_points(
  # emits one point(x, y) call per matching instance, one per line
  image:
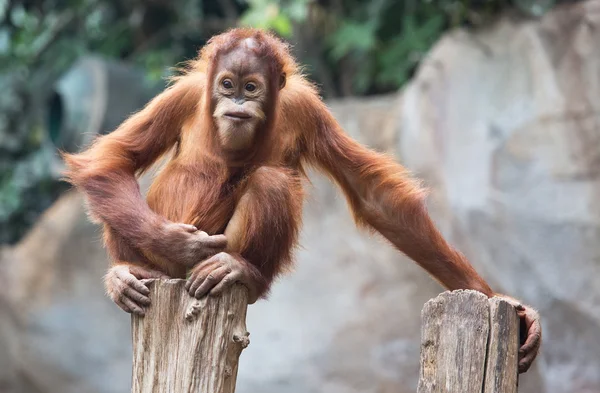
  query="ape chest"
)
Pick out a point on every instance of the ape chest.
point(200, 199)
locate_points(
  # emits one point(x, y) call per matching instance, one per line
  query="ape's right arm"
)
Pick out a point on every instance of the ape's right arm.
point(106, 172)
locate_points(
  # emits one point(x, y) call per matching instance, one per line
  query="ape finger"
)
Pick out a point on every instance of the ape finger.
point(191, 279)
point(212, 279)
point(203, 268)
point(217, 242)
point(137, 297)
point(131, 282)
point(122, 306)
point(526, 362)
point(534, 335)
point(226, 282)
point(187, 227)
point(132, 306)
point(197, 277)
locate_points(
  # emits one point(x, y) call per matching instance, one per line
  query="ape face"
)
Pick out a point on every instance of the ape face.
point(240, 96)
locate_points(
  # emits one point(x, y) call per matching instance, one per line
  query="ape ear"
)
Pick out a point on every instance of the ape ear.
point(282, 78)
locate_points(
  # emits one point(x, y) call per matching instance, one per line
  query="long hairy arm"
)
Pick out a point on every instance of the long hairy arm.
point(106, 171)
point(381, 193)
point(383, 196)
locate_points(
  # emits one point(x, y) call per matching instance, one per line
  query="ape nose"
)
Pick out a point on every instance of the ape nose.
point(238, 100)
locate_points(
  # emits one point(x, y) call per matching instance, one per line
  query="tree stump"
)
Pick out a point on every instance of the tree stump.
point(469, 344)
point(186, 345)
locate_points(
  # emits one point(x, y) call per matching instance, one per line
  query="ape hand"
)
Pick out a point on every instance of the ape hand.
point(185, 245)
point(531, 336)
point(123, 286)
point(220, 272)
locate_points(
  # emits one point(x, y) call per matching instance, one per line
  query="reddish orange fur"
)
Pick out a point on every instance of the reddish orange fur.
point(200, 186)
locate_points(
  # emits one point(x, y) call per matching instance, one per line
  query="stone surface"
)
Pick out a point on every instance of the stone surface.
point(505, 126)
point(70, 339)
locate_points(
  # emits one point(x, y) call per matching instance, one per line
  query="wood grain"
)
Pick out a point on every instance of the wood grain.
point(454, 335)
point(469, 344)
point(187, 345)
point(503, 348)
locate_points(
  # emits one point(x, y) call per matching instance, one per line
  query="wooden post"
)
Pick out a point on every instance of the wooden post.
point(469, 344)
point(186, 345)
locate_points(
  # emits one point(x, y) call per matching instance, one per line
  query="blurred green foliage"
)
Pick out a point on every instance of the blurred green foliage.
point(275, 15)
point(349, 47)
point(371, 47)
point(367, 46)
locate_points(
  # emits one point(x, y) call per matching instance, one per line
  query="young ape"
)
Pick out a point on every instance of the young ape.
point(241, 123)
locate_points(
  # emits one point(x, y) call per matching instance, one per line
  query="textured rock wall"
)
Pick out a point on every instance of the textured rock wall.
point(505, 125)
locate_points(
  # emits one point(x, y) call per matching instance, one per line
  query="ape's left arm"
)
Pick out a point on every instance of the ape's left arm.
point(383, 196)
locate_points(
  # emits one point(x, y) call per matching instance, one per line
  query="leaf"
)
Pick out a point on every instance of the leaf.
point(282, 25)
point(267, 15)
point(352, 36)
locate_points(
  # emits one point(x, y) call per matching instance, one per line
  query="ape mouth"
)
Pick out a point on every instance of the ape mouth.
point(238, 115)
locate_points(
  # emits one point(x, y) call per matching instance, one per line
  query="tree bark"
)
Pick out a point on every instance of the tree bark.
point(469, 344)
point(186, 345)
point(502, 369)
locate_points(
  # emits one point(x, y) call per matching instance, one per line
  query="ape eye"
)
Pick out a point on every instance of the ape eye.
point(250, 87)
point(227, 84)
